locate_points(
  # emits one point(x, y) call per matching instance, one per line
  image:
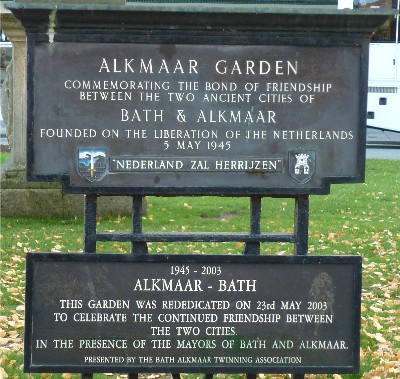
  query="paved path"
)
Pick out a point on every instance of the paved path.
point(380, 138)
point(376, 153)
point(383, 144)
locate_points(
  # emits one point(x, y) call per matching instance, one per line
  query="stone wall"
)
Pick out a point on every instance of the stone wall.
point(18, 197)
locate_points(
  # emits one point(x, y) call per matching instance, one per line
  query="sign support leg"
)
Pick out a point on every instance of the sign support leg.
point(137, 226)
point(302, 209)
point(137, 247)
point(90, 236)
point(90, 223)
point(253, 248)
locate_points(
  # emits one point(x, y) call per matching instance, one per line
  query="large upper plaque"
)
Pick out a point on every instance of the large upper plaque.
point(197, 99)
point(196, 118)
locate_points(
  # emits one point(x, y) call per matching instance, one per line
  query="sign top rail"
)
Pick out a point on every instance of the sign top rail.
point(254, 7)
point(36, 17)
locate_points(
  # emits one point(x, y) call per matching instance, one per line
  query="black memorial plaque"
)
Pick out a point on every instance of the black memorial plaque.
point(125, 313)
point(195, 118)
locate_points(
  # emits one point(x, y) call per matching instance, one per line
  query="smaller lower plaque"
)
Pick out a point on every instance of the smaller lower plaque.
point(187, 313)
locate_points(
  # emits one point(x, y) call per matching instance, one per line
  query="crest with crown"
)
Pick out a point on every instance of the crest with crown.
point(302, 162)
point(302, 165)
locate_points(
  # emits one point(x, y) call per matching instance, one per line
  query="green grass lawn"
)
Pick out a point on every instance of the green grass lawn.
point(355, 219)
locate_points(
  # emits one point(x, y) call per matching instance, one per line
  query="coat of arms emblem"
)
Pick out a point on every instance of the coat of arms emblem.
point(302, 165)
point(92, 164)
